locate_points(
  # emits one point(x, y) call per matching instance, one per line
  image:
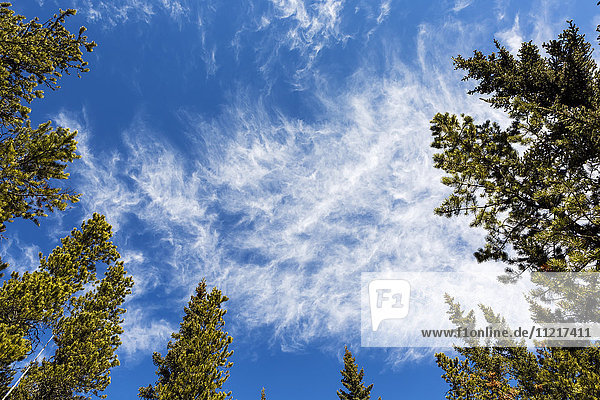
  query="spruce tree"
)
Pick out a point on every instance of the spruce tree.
point(352, 380)
point(533, 186)
point(196, 365)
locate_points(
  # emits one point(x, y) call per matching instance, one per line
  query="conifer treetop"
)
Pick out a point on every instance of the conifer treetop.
point(352, 380)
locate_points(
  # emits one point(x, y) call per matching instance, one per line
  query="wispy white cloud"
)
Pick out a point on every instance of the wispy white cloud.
point(304, 26)
point(100, 171)
point(461, 4)
point(384, 10)
point(512, 37)
point(115, 12)
point(500, 7)
point(319, 19)
point(19, 254)
point(300, 28)
point(542, 25)
point(175, 9)
point(142, 334)
point(283, 214)
point(307, 27)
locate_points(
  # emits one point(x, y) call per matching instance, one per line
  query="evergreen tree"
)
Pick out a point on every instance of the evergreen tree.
point(534, 187)
point(63, 299)
point(352, 380)
point(33, 54)
point(196, 365)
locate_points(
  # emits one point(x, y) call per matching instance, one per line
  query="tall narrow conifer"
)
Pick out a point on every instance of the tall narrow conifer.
point(196, 365)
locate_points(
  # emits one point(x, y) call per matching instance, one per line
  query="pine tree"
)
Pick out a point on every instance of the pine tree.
point(352, 380)
point(31, 158)
point(65, 298)
point(534, 187)
point(196, 365)
point(62, 300)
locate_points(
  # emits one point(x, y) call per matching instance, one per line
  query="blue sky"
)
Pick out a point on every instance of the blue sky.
point(278, 148)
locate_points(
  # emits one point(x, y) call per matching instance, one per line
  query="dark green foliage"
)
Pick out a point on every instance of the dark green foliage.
point(516, 373)
point(534, 187)
point(352, 379)
point(196, 365)
point(498, 372)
